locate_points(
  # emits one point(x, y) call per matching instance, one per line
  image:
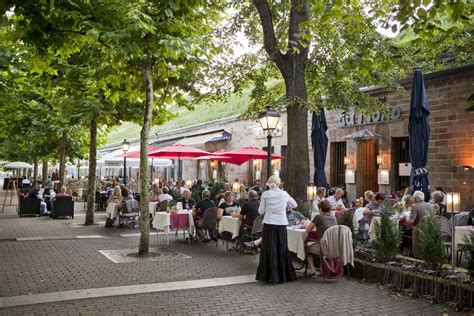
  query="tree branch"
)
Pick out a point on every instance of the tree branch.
point(269, 40)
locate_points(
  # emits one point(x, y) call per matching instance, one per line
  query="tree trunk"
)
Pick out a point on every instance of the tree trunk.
point(62, 158)
point(35, 171)
point(44, 175)
point(291, 65)
point(144, 134)
point(92, 170)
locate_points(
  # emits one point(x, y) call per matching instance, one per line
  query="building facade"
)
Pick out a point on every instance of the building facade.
point(364, 153)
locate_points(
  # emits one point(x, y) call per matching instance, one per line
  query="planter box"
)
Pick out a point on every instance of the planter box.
point(418, 284)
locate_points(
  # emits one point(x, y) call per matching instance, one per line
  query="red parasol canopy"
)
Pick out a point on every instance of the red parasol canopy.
point(245, 154)
point(178, 151)
point(136, 153)
point(218, 156)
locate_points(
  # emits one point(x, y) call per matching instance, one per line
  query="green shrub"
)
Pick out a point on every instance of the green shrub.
point(431, 242)
point(387, 237)
point(346, 220)
point(469, 247)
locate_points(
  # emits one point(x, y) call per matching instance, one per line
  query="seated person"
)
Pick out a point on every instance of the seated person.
point(368, 196)
point(250, 209)
point(48, 195)
point(320, 195)
point(186, 200)
point(154, 195)
point(336, 200)
point(322, 222)
point(294, 217)
point(373, 208)
point(34, 194)
point(62, 193)
point(164, 196)
point(116, 197)
point(202, 206)
point(228, 207)
point(124, 191)
point(438, 206)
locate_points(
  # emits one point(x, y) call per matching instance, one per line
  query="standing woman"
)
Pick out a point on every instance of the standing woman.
point(275, 264)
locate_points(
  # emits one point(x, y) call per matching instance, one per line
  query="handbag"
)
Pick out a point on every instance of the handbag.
point(332, 267)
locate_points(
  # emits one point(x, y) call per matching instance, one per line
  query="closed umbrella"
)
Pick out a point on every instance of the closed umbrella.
point(419, 133)
point(319, 139)
point(178, 151)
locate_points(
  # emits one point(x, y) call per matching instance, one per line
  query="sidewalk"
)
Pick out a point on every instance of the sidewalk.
point(43, 257)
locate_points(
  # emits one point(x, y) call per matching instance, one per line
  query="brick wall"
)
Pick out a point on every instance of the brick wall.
point(452, 132)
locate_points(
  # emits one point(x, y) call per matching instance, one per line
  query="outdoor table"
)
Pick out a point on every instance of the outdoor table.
point(296, 238)
point(230, 224)
point(461, 233)
point(169, 221)
point(152, 208)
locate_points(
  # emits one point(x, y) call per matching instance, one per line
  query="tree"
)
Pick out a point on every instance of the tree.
point(158, 50)
point(431, 241)
point(388, 237)
point(324, 51)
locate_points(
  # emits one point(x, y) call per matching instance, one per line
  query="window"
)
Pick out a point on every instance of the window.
point(400, 154)
point(338, 152)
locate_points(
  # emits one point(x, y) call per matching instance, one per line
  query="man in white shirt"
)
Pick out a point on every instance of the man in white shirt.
point(164, 196)
point(336, 200)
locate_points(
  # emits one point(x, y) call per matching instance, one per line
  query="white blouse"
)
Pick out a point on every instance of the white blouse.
point(273, 204)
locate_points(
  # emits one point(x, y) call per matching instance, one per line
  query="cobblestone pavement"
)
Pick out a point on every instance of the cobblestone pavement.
point(303, 297)
point(63, 263)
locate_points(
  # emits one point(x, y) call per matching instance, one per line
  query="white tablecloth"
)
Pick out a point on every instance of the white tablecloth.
point(112, 210)
point(462, 232)
point(230, 224)
point(296, 238)
point(162, 220)
point(379, 221)
point(152, 208)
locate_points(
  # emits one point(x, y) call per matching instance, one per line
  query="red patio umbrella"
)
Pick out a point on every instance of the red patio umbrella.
point(218, 156)
point(178, 151)
point(247, 153)
point(136, 153)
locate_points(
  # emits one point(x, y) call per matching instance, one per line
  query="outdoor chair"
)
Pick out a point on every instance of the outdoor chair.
point(30, 206)
point(337, 243)
point(254, 234)
point(129, 213)
point(164, 205)
point(208, 223)
point(62, 206)
point(363, 231)
point(446, 232)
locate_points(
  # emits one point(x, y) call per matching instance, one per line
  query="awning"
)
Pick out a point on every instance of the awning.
point(362, 135)
point(206, 138)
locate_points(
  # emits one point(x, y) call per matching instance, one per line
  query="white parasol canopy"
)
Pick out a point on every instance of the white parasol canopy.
point(17, 165)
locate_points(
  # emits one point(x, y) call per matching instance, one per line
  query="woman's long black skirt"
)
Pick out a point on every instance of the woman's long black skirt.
point(275, 264)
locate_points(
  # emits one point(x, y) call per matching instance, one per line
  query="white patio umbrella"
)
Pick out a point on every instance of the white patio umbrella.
point(17, 165)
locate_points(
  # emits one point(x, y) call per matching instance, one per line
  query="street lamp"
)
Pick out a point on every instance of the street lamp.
point(125, 148)
point(268, 121)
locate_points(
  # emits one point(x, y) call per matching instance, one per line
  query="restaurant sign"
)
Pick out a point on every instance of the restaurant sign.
point(354, 119)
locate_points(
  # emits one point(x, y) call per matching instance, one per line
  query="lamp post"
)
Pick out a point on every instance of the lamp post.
point(125, 148)
point(311, 195)
point(268, 121)
point(453, 201)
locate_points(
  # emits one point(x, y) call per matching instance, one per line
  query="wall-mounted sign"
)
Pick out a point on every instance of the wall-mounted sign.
point(354, 119)
point(350, 176)
point(404, 169)
point(383, 176)
point(259, 133)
